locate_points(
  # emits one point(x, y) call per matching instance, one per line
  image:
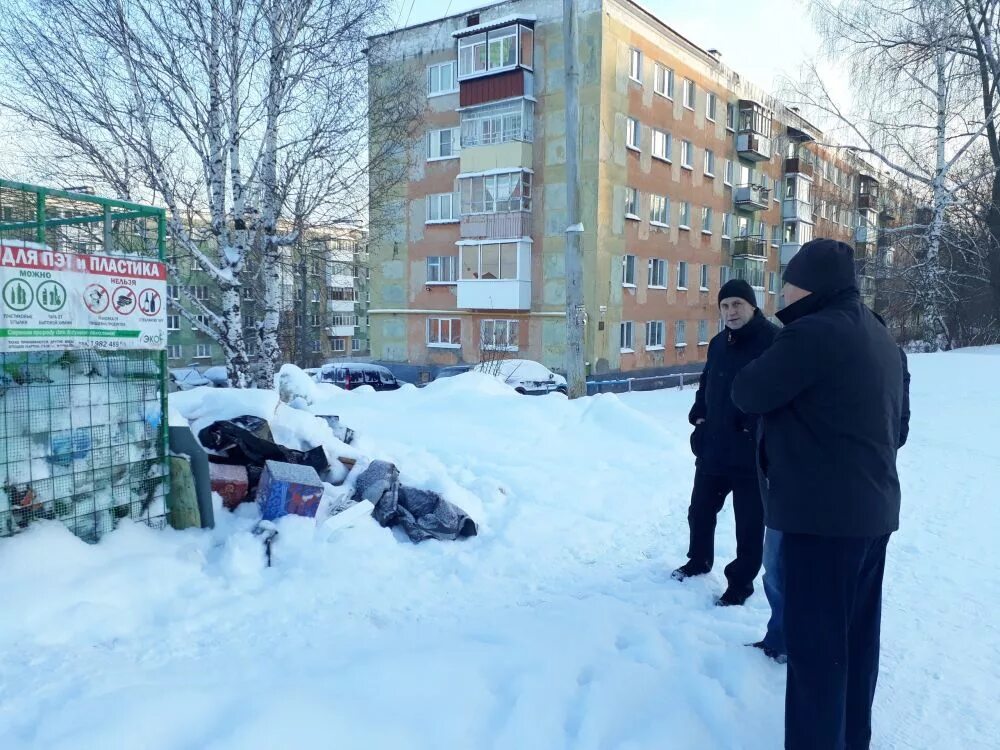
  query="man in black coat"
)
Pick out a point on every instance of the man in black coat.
point(831, 392)
point(724, 443)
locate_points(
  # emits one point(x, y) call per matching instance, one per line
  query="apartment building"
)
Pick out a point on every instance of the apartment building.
point(689, 175)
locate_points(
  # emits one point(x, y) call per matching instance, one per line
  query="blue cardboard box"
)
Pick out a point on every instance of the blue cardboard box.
point(288, 488)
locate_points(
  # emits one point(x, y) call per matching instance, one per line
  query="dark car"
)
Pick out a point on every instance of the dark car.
point(450, 372)
point(354, 375)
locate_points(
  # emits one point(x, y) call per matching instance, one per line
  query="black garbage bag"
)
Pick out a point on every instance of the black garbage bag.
point(420, 513)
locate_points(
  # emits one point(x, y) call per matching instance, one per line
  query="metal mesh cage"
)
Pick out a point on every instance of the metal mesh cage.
point(83, 434)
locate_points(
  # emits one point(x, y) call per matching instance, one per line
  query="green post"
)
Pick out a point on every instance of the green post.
point(161, 247)
point(40, 216)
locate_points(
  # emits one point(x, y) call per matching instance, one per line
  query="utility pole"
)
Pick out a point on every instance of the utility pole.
point(302, 338)
point(575, 310)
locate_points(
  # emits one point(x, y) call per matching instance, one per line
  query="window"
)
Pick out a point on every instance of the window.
point(730, 116)
point(635, 65)
point(724, 274)
point(762, 230)
point(680, 334)
point(340, 345)
point(342, 294)
point(632, 133)
point(704, 277)
point(173, 322)
point(173, 292)
point(346, 319)
point(657, 273)
point(175, 351)
point(654, 334)
point(631, 203)
point(202, 351)
point(443, 144)
point(685, 215)
point(662, 145)
point(687, 155)
point(709, 162)
point(664, 83)
point(751, 270)
point(682, 274)
point(776, 235)
point(441, 208)
point(628, 270)
point(314, 345)
point(659, 210)
point(496, 49)
point(498, 123)
point(625, 336)
point(441, 79)
point(442, 269)
point(444, 333)
point(711, 104)
point(500, 335)
point(314, 320)
point(315, 295)
point(688, 93)
point(203, 319)
point(490, 261)
point(355, 345)
point(730, 172)
point(247, 293)
point(198, 292)
point(496, 193)
point(727, 225)
point(772, 283)
point(706, 220)
point(702, 332)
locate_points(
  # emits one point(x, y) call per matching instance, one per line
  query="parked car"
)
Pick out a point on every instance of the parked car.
point(525, 376)
point(186, 378)
point(450, 372)
point(218, 376)
point(351, 375)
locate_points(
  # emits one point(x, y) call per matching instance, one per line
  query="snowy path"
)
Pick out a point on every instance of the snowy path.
point(558, 627)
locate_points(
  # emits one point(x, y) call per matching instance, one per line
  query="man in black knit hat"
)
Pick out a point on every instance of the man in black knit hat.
point(724, 443)
point(831, 392)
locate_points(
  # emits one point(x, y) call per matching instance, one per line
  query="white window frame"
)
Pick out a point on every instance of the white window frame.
point(446, 268)
point(727, 225)
point(665, 76)
point(434, 140)
point(706, 220)
point(703, 285)
point(435, 204)
point(503, 122)
point(772, 285)
point(703, 336)
point(626, 342)
point(355, 344)
point(666, 140)
point(730, 173)
point(512, 333)
point(522, 269)
point(451, 65)
point(635, 65)
point(339, 344)
point(202, 351)
point(440, 342)
point(173, 292)
point(709, 163)
point(633, 134)
point(731, 115)
point(680, 334)
point(684, 215)
point(656, 273)
point(175, 351)
point(628, 270)
point(502, 192)
point(711, 106)
point(690, 94)
point(654, 335)
point(687, 155)
point(632, 202)
point(659, 210)
point(682, 275)
point(173, 322)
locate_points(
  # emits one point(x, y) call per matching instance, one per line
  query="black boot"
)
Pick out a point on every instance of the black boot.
point(733, 597)
point(690, 569)
point(769, 652)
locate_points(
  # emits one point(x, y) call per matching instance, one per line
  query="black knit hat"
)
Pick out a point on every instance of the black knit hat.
point(822, 266)
point(738, 288)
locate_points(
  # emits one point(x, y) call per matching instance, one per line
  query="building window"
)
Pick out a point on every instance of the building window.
point(662, 145)
point(442, 269)
point(657, 273)
point(709, 162)
point(659, 210)
point(346, 319)
point(628, 270)
point(654, 334)
point(664, 83)
point(724, 274)
point(175, 351)
point(496, 193)
point(633, 135)
point(776, 235)
point(314, 345)
point(702, 332)
point(441, 208)
point(711, 103)
point(443, 144)
point(685, 215)
point(355, 345)
point(631, 203)
point(706, 220)
point(682, 275)
point(247, 293)
point(494, 50)
point(441, 79)
point(340, 345)
point(173, 292)
point(727, 225)
point(625, 336)
point(500, 335)
point(730, 172)
point(680, 334)
point(173, 322)
point(688, 93)
point(314, 320)
point(202, 351)
point(198, 292)
point(343, 294)
point(772, 282)
point(687, 154)
point(751, 270)
point(704, 277)
point(493, 261)
point(444, 333)
point(498, 123)
point(635, 65)
point(730, 116)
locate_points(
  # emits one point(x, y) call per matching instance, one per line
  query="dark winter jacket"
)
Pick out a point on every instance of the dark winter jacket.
point(724, 444)
point(831, 390)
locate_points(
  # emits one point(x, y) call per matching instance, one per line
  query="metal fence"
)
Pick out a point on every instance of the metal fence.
point(643, 383)
point(83, 433)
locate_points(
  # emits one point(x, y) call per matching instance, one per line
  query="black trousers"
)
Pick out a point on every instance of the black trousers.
point(833, 615)
point(707, 499)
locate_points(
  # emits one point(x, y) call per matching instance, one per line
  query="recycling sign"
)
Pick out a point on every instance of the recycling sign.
point(52, 300)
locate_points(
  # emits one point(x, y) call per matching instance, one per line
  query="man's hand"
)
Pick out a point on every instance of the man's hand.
point(699, 421)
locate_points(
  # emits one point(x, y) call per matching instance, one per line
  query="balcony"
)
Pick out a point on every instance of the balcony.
point(795, 165)
point(753, 146)
point(865, 235)
point(497, 226)
point(752, 197)
point(788, 250)
point(863, 267)
point(340, 331)
point(340, 305)
point(889, 212)
point(867, 202)
point(750, 247)
point(493, 294)
point(793, 209)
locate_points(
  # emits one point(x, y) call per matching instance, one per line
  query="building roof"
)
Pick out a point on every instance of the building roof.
point(505, 21)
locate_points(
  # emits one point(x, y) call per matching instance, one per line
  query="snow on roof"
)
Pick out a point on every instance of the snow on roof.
point(487, 25)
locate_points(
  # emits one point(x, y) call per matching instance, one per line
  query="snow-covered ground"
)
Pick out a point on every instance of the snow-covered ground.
point(557, 627)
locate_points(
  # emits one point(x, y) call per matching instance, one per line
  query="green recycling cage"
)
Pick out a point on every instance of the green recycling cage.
point(83, 418)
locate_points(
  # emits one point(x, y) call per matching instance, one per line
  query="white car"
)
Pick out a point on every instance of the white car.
point(525, 376)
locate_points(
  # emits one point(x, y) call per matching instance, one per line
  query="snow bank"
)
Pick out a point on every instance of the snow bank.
point(557, 627)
